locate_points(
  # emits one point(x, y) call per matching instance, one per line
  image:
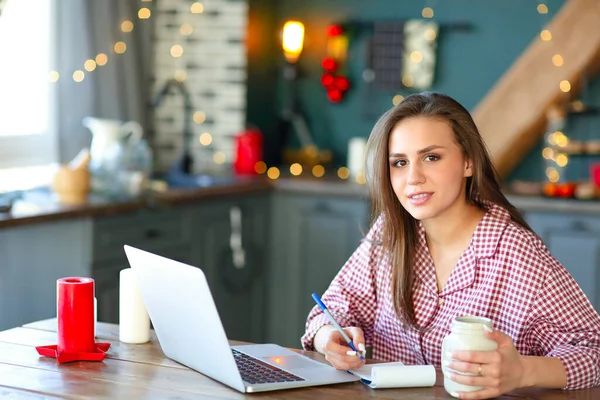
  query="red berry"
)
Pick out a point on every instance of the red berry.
point(327, 79)
point(342, 83)
point(329, 64)
point(334, 95)
point(334, 30)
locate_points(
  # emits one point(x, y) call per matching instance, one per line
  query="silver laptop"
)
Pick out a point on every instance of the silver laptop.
point(190, 332)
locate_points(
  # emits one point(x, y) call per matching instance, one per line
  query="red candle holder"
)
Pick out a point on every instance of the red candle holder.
point(75, 318)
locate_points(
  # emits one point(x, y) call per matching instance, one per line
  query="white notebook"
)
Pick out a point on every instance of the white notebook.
point(395, 375)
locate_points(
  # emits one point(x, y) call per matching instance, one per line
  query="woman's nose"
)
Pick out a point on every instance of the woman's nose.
point(415, 176)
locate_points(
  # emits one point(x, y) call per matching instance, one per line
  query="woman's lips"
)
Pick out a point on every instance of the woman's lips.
point(419, 199)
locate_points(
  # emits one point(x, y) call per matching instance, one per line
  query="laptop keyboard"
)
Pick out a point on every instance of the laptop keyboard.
point(255, 371)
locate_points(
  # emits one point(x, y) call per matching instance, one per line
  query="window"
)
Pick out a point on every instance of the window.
point(27, 136)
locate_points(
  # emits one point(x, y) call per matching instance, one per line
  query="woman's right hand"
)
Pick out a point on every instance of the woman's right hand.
point(330, 342)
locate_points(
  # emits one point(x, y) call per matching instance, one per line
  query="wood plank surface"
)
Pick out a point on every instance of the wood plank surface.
point(511, 117)
point(143, 372)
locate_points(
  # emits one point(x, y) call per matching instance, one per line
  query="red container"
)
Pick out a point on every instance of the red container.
point(595, 173)
point(75, 311)
point(249, 149)
point(75, 319)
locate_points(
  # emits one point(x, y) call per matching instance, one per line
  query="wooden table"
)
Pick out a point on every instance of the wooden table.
point(143, 372)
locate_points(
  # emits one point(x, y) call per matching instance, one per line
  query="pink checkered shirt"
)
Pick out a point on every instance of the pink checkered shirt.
point(506, 274)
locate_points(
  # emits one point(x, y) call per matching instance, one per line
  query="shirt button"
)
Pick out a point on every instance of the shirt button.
point(417, 348)
point(440, 301)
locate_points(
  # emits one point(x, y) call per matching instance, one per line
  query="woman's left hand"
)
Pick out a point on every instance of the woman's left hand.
point(498, 371)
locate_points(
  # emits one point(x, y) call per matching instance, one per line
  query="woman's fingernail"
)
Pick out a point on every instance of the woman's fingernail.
point(446, 363)
point(488, 329)
point(449, 354)
point(351, 352)
point(454, 394)
point(361, 347)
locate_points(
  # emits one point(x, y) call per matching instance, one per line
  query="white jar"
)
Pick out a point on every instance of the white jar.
point(467, 334)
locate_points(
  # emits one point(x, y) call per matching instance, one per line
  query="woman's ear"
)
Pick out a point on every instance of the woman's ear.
point(468, 168)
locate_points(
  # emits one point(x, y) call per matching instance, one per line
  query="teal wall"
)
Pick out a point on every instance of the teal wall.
point(468, 63)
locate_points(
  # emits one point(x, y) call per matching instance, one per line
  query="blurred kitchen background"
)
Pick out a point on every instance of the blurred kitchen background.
point(229, 134)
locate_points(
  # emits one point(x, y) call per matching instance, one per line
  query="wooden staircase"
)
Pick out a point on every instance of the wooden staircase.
point(511, 118)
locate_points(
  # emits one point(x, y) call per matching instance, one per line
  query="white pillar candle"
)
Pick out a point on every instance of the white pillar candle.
point(356, 156)
point(134, 323)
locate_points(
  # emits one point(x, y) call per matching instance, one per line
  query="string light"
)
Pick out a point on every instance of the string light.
point(205, 139)
point(219, 157)
point(318, 171)
point(360, 178)
point(90, 65)
point(408, 80)
point(186, 29)
point(427, 12)
point(296, 169)
point(552, 174)
point(176, 51)
point(565, 86)
point(397, 99)
point(562, 160)
point(53, 76)
point(101, 59)
point(126, 26)
point(78, 76)
point(546, 35)
point(343, 173)
point(199, 117)
point(557, 139)
point(120, 47)
point(557, 60)
point(416, 56)
point(430, 34)
point(260, 167)
point(197, 8)
point(144, 13)
point(273, 173)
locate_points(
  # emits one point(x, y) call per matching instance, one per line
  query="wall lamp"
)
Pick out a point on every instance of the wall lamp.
point(293, 40)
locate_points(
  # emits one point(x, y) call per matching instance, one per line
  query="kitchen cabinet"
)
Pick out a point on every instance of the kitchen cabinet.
point(32, 258)
point(312, 236)
point(106, 275)
point(229, 243)
point(574, 240)
point(160, 231)
point(209, 235)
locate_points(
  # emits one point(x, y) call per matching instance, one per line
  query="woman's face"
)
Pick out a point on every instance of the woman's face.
point(427, 167)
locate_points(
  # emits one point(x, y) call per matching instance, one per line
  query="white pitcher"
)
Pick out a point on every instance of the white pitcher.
point(109, 132)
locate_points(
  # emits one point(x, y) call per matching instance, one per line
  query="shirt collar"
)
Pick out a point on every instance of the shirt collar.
point(489, 231)
point(483, 244)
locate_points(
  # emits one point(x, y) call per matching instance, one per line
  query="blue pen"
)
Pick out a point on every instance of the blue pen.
point(335, 324)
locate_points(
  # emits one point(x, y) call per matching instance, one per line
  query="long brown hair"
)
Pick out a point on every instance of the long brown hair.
point(399, 233)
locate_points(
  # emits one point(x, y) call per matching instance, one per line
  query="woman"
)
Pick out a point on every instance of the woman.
point(447, 243)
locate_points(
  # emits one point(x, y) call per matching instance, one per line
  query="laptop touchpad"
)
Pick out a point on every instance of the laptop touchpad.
point(294, 362)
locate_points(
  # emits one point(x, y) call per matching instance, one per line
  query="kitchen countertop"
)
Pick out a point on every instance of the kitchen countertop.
point(541, 203)
point(42, 206)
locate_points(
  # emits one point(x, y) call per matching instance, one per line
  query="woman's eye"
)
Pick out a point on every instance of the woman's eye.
point(399, 163)
point(431, 157)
